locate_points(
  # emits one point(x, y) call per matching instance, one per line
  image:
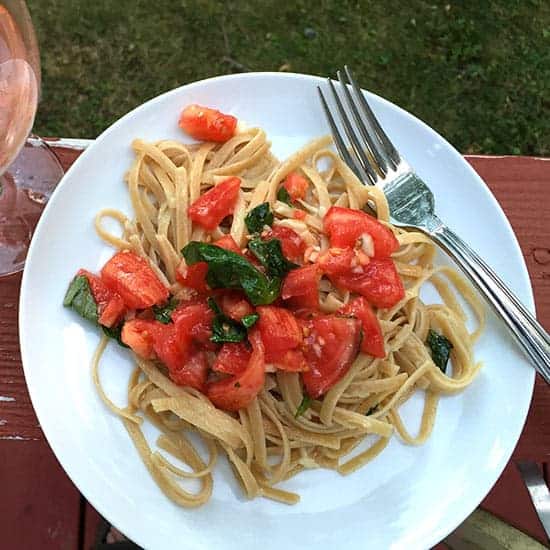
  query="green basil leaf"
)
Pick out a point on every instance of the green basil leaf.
point(227, 269)
point(164, 313)
point(259, 217)
point(270, 254)
point(440, 347)
point(225, 329)
point(250, 320)
point(303, 406)
point(79, 297)
point(115, 333)
point(283, 195)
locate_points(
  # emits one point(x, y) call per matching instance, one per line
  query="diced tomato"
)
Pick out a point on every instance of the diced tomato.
point(193, 276)
point(139, 335)
point(292, 360)
point(282, 337)
point(207, 124)
point(330, 349)
point(187, 365)
point(110, 305)
point(292, 245)
point(227, 242)
point(296, 185)
point(337, 261)
point(239, 391)
point(279, 329)
point(193, 320)
point(301, 287)
point(372, 342)
point(345, 226)
point(113, 312)
point(378, 282)
point(234, 305)
point(132, 278)
point(173, 351)
point(299, 214)
point(217, 203)
point(193, 373)
point(232, 358)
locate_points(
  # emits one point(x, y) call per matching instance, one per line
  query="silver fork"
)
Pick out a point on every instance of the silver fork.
point(376, 161)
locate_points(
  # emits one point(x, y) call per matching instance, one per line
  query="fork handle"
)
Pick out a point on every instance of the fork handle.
point(528, 332)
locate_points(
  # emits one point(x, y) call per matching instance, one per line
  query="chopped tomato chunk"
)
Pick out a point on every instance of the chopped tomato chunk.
point(217, 203)
point(235, 305)
point(110, 305)
point(345, 226)
point(193, 276)
point(292, 360)
point(187, 366)
point(299, 214)
point(331, 347)
point(279, 329)
point(132, 278)
point(170, 349)
point(337, 261)
point(207, 124)
point(228, 243)
point(296, 185)
point(292, 245)
point(378, 282)
point(193, 373)
point(301, 287)
point(139, 336)
point(113, 312)
point(232, 358)
point(282, 337)
point(372, 342)
point(174, 344)
point(193, 320)
point(239, 391)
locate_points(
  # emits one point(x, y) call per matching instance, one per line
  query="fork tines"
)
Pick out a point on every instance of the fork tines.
point(371, 151)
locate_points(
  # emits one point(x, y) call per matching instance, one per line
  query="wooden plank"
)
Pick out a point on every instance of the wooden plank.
point(520, 185)
point(534, 443)
point(521, 188)
point(17, 417)
point(40, 507)
point(510, 501)
point(91, 522)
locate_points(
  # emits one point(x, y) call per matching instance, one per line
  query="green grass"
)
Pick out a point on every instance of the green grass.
point(477, 71)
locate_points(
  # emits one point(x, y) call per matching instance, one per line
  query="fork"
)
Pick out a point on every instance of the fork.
point(376, 161)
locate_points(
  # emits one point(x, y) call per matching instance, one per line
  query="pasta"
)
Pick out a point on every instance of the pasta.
point(267, 442)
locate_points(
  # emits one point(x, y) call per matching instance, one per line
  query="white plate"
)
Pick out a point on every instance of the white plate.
point(409, 497)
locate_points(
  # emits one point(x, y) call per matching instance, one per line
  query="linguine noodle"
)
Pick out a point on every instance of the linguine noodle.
point(265, 443)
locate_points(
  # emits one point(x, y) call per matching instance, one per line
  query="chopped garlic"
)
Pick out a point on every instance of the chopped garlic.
point(367, 245)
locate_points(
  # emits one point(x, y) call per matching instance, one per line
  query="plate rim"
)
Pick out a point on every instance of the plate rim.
point(34, 392)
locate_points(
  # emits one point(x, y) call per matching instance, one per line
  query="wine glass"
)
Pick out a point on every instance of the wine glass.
point(29, 171)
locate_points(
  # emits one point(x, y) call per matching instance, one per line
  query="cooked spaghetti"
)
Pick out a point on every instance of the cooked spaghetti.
point(282, 430)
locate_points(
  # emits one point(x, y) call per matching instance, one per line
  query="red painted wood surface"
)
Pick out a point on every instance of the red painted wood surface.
point(47, 510)
point(39, 505)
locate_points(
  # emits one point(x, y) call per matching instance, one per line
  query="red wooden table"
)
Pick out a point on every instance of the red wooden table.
point(41, 508)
